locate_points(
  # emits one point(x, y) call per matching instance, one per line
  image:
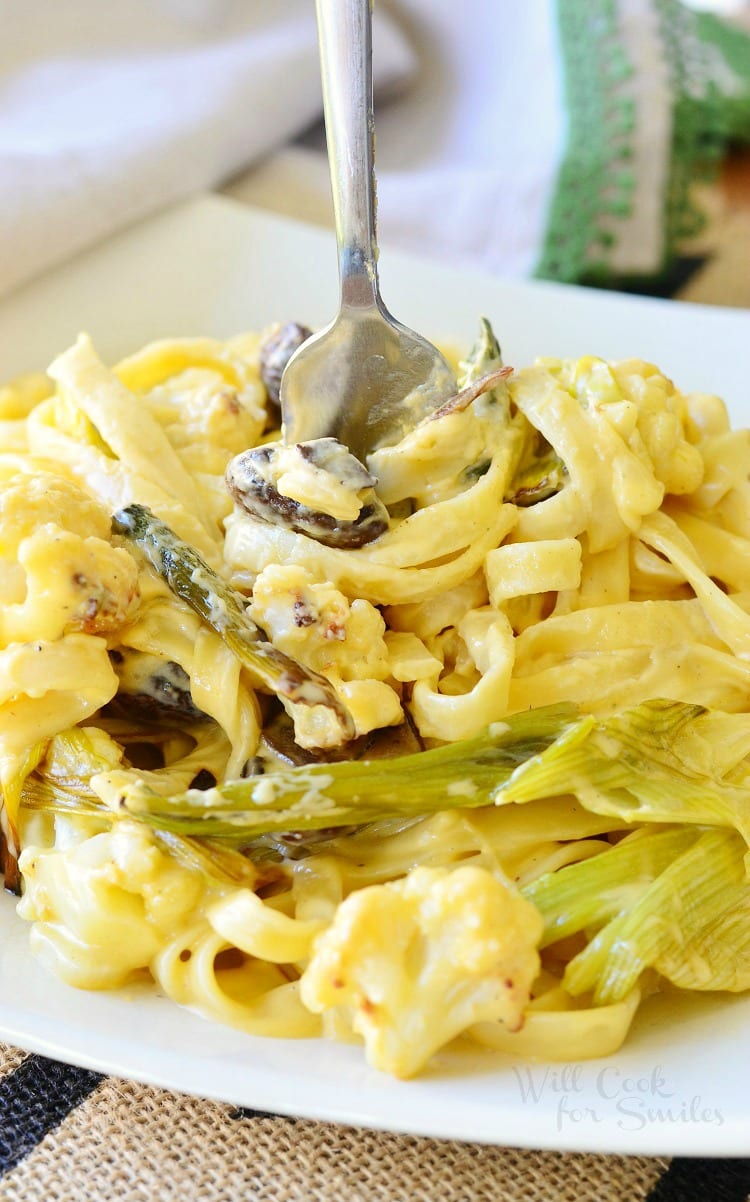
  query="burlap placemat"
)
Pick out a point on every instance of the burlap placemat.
point(69, 1135)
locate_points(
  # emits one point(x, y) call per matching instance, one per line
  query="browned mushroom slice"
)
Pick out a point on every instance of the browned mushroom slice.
point(278, 741)
point(270, 481)
point(151, 687)
point(275, 352)
point(278, 745)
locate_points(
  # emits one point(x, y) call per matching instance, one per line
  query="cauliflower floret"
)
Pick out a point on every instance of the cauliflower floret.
point(28, 502)
point(421, 959)
point(72, 583)
point(103, 908)
point(206, 419)
point(316, 623)
point(647, 411)
point(319, 627)
point(59, 571)
point(663, 424)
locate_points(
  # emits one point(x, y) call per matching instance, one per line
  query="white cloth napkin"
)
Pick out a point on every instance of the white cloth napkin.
point(111, 110)
point(467, 155)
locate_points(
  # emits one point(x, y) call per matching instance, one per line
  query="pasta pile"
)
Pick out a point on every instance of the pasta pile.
point(197, 693)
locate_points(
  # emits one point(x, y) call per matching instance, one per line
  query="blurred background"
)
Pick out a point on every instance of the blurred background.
point(602, 142)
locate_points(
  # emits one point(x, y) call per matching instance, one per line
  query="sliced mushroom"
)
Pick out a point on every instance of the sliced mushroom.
point(278, 746)
point(275, 352)
point(316, 488)
point(151, 687)
point(277, 742)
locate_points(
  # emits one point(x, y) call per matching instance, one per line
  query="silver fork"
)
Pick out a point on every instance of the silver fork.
point(365, 379)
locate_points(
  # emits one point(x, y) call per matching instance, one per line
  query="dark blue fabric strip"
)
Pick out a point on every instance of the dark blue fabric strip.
point(687, 1180)
point(34, 1099)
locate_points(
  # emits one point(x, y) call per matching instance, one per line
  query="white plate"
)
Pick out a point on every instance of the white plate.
point(211, 267)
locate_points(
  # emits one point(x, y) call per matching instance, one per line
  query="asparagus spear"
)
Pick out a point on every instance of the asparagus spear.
point(540, 473)
point(346, 793)
point(485, 356)
point(222, 607)
point(647, 764)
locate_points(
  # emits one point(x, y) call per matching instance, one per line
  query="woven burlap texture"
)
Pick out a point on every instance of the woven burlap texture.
point(10, 1059)
point(134, 1143)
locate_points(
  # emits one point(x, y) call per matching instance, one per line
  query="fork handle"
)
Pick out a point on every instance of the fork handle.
point(345, 40)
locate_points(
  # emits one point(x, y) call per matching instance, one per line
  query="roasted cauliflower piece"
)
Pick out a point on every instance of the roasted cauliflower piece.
point(206, 419)
point(102, 908)
point(59, 571)
point(29, 502)
point(417, 961)
point(343, 641)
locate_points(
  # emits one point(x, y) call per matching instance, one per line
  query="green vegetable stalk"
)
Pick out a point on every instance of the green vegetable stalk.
point(346, 793)
point(589, 894)
point(485, 356)
point(223, 608)
point(685, 907)
point(662, 761)
point(648, 764)
point(673, 895)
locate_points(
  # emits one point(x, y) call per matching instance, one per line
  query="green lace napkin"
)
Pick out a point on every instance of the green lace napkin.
point(655, 94)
